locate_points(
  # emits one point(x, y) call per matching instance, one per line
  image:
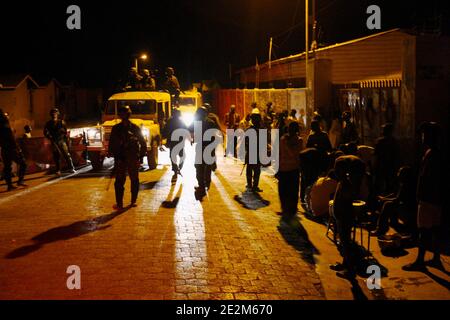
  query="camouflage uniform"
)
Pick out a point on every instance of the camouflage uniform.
point(127, 145)
point(56, 132)
point(11, 152)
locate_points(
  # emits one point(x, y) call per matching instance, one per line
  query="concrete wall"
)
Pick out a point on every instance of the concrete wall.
point(18, 103)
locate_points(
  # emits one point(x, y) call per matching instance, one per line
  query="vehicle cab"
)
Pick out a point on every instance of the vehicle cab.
point(150, 110)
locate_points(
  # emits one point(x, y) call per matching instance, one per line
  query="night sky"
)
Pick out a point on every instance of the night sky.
point(199, 38)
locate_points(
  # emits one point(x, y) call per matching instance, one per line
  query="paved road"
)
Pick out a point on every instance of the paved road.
point(230, 246)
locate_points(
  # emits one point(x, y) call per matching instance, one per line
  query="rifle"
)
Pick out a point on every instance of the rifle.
point(111, 176)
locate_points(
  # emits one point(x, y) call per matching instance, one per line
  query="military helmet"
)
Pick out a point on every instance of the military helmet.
point(124, 109)
point(170, 71)
point(53, 111)
point(201, 113)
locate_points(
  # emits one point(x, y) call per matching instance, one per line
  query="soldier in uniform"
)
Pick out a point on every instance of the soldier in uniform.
point(232, 120)
point(148, 82)
point(10, 153)
point(174, 123)
point(128, 147)
point(172, 85)
point(56, 131)
point(134, 80)
point(253, 161)
point(202, 167)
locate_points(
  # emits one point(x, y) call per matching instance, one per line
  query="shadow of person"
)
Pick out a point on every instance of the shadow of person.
point(251, 200)
point(437, 279)
point(70, 231)
point(148, 185)
point(296, 236)
point(172, 202)
point(358, 293)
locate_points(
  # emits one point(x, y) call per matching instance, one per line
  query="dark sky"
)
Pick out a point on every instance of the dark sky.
point(199, 38)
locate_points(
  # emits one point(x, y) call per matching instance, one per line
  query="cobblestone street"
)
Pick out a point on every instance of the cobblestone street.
point(172, 246)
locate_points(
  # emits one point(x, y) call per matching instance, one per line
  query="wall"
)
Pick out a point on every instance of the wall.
point(243, 98)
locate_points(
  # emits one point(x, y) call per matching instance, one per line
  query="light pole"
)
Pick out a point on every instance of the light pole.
point(143, 57)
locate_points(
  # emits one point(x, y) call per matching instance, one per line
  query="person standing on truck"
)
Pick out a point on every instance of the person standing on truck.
point(147, 82)
point(172, 85)
point(128, 147)
point(134, 80)
point(10, 153)
point(56, 131)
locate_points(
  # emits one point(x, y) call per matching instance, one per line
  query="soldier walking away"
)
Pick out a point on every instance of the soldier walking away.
point(10, 153)
point(232, 120)
point(128, 147)
point(252, 161)
point(174, 123)
point(202, 167)
point(56, 131)
point(147, 82)
point(172, 85)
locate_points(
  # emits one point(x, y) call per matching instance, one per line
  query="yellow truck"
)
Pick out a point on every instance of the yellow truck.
point(150, 111)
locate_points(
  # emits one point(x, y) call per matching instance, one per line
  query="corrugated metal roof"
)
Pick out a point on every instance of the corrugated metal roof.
point(302, 54)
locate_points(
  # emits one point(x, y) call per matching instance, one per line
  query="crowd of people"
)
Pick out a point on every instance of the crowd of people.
point(341, 175)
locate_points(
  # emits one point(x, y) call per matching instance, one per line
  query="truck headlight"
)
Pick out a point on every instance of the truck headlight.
point(93, 134)
point(146, 133)
point(187, 118)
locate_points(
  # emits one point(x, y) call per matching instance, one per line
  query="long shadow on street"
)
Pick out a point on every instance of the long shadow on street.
point(73, 230)
point(297, 237)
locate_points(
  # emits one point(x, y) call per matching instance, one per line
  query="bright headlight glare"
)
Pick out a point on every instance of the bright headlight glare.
point(145, 133)
point(187, 118)
point(92, 133)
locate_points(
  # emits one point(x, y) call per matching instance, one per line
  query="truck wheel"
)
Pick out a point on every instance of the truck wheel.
point(152, 155)
point(96, 160)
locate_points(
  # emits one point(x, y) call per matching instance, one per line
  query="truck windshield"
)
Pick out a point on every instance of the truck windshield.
point(187, 101)
point(137, 106)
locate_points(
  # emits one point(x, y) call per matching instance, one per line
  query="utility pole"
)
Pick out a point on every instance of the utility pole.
point(307, 95)
point(270, 61)
point(314, 28)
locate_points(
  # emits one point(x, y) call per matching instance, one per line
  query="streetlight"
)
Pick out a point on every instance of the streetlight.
point(143, 57)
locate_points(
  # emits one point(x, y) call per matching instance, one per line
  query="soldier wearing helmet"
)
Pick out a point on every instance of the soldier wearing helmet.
point(252, 157)
point(10, 152)
point(128, 147)
point(147, 82)
point(174, 123)
point(202, 166)
point(56, 131)
point(171, 84)
point(134, 80)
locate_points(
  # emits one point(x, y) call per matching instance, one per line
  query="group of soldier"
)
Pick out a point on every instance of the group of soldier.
point(55, 131)
point(147, 82)
point(128, 148)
